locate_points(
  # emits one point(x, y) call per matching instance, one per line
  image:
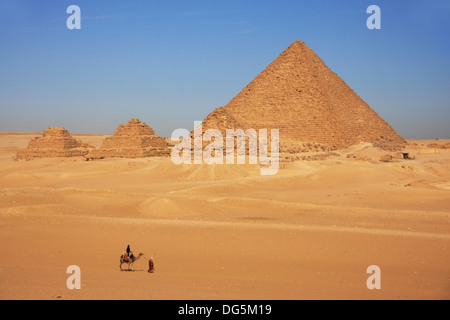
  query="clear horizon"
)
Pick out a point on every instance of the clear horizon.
point(171, 63)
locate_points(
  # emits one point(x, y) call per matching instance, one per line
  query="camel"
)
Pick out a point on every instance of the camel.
point(130, 262)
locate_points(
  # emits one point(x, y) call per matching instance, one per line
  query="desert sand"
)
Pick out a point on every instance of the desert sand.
point(225, 231)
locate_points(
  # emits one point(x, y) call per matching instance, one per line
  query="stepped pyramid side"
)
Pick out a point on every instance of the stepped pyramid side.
point(298, 94)
point(134, 139)
point(54, 142)
point(220, 119)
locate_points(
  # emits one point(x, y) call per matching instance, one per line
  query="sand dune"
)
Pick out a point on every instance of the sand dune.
point(225, 232)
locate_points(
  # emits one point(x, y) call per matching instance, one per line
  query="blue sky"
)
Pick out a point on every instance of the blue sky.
point(172, 62)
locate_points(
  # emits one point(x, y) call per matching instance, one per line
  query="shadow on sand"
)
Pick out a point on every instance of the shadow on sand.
point(132, 270)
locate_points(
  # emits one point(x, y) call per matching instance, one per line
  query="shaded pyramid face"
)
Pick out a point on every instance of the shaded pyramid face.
point(134, 139)
point(54, 142)
point(299, 95)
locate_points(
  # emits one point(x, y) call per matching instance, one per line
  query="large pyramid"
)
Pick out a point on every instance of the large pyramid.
point(54, 142)
point(134, 139)
point(299, 95)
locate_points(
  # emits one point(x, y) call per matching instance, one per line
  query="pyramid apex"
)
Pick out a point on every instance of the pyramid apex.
point(297, 47)
point(297, 43)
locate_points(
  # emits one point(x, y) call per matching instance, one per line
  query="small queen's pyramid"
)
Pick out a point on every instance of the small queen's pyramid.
point(135, 139)
point(54, 142)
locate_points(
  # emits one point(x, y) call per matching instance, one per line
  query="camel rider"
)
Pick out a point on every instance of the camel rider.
point(129, 254)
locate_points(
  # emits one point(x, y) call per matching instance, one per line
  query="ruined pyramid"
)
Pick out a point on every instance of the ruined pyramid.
point(54, 142)
point(134, 139)
point(299, 95)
